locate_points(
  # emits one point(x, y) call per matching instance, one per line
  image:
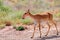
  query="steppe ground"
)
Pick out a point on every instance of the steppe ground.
point(8, 33)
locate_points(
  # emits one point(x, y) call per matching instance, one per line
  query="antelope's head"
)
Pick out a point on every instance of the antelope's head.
point(26, 14)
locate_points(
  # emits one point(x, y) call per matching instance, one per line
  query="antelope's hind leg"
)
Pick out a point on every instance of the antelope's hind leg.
point(55, 26)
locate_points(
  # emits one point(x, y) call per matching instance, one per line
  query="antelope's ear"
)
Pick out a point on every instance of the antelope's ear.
point(28, 10)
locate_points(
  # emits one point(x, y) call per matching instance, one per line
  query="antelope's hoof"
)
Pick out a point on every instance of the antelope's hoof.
point(57, 34)
point(40, 36)
point(31, 37)
point(45, 35)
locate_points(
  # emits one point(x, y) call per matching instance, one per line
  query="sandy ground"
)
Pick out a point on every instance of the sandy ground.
point(9, 33)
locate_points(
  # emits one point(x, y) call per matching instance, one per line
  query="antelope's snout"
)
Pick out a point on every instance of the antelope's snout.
point(22, 17)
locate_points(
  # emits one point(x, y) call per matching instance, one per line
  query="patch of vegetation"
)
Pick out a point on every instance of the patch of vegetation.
point(57, 15)
point(20, 28)
point(2, 26)
point(7, 23)
point(26, 21)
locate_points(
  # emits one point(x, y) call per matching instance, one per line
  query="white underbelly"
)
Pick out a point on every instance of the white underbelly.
point(42, 22)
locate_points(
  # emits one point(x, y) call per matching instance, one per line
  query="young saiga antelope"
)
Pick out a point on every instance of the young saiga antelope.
point(37, 20)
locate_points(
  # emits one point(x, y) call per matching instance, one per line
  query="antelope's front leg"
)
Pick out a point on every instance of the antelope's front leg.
point(48, 29)
point(34, 29)
point(40, 29)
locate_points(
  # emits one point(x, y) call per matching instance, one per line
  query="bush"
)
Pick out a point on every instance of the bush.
point(20, 28)
point(8, 23)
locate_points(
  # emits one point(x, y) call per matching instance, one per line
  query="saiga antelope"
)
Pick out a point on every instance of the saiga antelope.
point(37, 20)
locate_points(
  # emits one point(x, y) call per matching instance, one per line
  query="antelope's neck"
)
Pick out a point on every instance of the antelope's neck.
point(31, 15)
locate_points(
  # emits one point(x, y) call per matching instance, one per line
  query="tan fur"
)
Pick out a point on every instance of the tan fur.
point(38, 18)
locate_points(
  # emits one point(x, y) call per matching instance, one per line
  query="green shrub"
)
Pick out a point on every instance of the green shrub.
point(20, 28)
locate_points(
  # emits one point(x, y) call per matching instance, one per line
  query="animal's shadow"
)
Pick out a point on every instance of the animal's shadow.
point(48, 37)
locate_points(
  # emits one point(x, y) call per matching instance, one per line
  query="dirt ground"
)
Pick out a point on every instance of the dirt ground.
point(9, 33)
